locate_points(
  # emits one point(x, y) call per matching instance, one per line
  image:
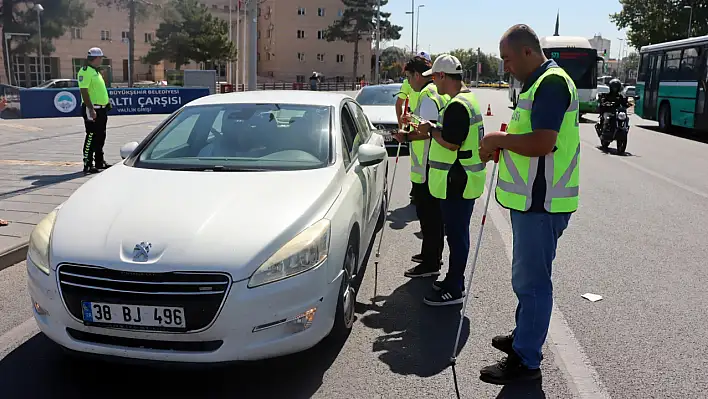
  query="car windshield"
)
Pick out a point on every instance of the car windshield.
point(378, 95)
point(239, 137)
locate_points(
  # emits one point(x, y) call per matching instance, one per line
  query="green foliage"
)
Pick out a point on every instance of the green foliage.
point(658, 21)
point(17, 16)
point(468, 59)
point(143, 8)
point(358, 22)
point(189, 32)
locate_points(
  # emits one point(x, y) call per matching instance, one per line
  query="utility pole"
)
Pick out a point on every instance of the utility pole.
point(378, 42)
point(413, 26)
point(131, 41)
point(253, 53)
point(417, 27)
point(479, 66)
point(229, 70)
point(244, 49)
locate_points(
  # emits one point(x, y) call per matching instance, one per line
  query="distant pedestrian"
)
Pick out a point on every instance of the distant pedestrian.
point(539, 183)
point(95, 105)
point(314, 80)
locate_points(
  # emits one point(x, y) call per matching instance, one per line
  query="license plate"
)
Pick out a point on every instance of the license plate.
point(110, 314)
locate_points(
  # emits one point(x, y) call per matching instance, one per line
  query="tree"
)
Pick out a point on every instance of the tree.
point(657, 21)
point(468, 59)
point(190, 32)
point(629, 63)
point(138, 11)
point(358, 22)
point(17, 16)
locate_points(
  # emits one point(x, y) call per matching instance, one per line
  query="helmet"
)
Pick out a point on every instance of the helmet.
point(615, 86)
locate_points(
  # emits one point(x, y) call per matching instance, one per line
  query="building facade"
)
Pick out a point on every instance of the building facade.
point(291, 45)
point(602, 45)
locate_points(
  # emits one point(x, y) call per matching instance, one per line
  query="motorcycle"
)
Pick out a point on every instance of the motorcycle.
point(614, 127)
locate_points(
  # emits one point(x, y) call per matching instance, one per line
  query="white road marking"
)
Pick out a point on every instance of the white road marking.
point(580, 375)
point(655, 174)
point(17, 336)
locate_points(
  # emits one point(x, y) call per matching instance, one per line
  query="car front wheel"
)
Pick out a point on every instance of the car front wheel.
point(345, 315)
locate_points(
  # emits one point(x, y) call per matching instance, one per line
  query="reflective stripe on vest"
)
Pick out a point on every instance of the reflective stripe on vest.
point(420, 149)
point(518, 173)
point(441, 159)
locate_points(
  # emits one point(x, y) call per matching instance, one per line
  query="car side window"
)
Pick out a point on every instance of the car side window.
point(349, 130)
point(361, 121)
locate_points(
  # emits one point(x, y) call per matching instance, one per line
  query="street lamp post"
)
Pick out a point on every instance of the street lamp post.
point(38, 7)
point(619, 57)
point(412, 13)
point(690, 18)
point(417, 27)
point(378, 42)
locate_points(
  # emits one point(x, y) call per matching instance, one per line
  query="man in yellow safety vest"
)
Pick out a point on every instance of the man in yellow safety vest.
point(456, 175)
point(428, 107)
point(538, 182)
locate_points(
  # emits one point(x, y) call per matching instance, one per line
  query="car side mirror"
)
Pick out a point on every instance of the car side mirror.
point(370, 155)
point(128, 149)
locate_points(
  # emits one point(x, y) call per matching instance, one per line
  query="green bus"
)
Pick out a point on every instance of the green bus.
point(671, 84)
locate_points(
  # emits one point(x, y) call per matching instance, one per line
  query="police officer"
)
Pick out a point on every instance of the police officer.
point(428, 106)
point(456, 175)
point(95, 105)
point(539, 183)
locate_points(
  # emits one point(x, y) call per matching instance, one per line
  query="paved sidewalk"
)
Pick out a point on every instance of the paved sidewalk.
point(40, 167)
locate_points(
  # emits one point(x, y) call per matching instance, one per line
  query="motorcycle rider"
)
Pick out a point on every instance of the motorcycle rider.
point(609, 102)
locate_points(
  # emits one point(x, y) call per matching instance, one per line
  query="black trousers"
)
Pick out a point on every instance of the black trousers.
point(431, 225)
point(95, 137)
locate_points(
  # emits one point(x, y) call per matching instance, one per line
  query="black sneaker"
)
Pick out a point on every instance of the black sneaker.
point(422, 270)
point(104, 166)
point(505, 343)
point(443, 298)
point(419, 259)
point(88, 170)
point(440, 284)
point(507, 371)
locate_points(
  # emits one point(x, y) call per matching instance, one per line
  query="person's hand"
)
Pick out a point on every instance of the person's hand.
point(485, 156)
point(491, 142)
point(406, 118)
point(400, 136)
point(424, 127)
point(92, 114)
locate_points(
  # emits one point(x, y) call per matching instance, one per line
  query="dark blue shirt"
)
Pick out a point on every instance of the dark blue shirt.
point(551, 100)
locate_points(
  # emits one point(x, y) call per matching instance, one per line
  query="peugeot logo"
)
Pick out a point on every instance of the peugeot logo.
point(141, 251)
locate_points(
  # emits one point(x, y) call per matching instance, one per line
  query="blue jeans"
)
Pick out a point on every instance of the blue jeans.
point(535, 239)
point(456, 215)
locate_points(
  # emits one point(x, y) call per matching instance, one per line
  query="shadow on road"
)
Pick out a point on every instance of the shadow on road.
point(680, 132)
point(63, 376)
point(417, 339)
point(399, 218)
point(529, 390)
point(48, 180)
point(613, 151)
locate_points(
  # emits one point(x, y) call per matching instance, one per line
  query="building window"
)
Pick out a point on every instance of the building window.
point(321, 34)
point(226, 8)
point(76, 33)
point(124, 35)
point(301, 11)
point(148, 37)
point(300, 34)
point(340, 58)
point(270, 33)
point(320, 12)
point(301, 57)
point(214, 6)
point(105, 35)
point(300, 78)
point(320, 57)
point(268, 56)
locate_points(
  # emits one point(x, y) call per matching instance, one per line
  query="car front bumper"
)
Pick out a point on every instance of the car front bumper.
point(252, 323)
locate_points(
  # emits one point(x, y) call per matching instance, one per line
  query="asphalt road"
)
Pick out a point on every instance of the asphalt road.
point(637, 240)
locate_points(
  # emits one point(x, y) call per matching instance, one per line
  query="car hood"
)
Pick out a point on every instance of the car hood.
point(381, 114)
point(221, 221)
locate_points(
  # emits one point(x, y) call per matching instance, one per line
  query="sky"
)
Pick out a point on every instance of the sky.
point(450, 24)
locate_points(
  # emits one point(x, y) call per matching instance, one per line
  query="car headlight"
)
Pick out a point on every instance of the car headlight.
point(38, 250)
point(621, 116)
point(304, 252)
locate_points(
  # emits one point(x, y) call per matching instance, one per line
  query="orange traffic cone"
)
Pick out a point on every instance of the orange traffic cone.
point(489, 110)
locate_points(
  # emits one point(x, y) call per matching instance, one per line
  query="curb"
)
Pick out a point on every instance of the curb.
point(13, 255)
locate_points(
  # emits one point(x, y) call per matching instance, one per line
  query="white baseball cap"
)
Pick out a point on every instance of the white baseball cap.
point(425, 55)
point(95, 52)
point(445, 63)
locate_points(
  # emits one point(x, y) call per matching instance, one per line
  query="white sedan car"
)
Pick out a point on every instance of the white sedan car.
point(232, 232)
point(379, 104)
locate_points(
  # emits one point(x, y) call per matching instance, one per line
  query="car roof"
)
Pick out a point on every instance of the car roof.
point(304, 97)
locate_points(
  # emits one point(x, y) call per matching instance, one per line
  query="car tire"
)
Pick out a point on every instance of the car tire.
point(345, 315)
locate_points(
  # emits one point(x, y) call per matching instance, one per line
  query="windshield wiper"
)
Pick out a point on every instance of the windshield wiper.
point(219, 168)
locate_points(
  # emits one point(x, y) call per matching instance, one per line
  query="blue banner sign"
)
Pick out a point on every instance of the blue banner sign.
point(56, 103)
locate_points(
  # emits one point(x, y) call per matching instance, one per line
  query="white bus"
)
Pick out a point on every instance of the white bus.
point(577, 57)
